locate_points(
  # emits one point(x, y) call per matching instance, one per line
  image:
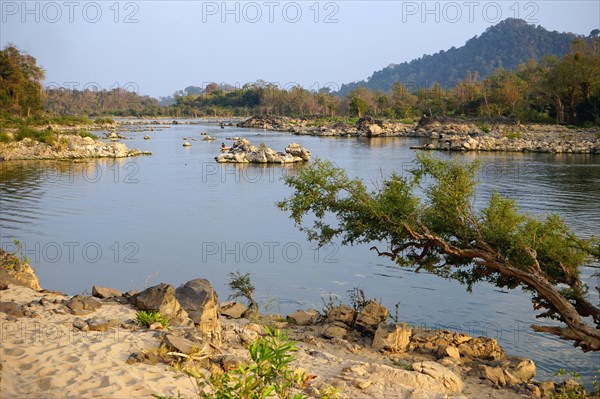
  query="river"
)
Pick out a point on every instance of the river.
point(177, 215)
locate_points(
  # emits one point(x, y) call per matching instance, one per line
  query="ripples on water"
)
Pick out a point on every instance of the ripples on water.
point(178, 215)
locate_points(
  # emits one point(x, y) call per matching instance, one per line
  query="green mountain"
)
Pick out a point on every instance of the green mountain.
point(505, 45)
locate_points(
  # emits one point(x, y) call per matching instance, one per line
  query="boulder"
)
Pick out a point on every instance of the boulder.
point(448, 351)
point(15, 271)
point(482, 348)
point(304, 318)
point(392, 337)
point(335, 330)
point(494, 375)
point(161, 298)
point(344, 314)
point(369, 318)
point(375, 130)
point(104, 292)
point(519, 368)
point(200, 301)
point(80, 305)
point(180, 344)
point(12, 309)
point(102, 324)
point(233, 310)
point(452, 382)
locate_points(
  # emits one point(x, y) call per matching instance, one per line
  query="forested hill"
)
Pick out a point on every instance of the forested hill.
point(509, 43)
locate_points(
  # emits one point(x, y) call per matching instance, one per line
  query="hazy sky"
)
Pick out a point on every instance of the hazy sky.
point(157, 47)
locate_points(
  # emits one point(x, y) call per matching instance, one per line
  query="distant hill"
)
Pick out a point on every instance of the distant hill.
point(509, 43)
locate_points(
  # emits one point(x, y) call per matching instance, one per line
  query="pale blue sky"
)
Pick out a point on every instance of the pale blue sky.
point(169, 45)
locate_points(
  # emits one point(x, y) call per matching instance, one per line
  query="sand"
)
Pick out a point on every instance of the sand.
point(43, 356)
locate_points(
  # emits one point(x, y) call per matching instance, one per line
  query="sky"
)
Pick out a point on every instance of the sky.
point(158, 47)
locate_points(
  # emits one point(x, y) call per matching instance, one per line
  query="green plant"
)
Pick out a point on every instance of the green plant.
point(428, 220)
point(5, 137)
point(19, 251)
point(145, 318)
point(331, 302)
point(85, 133)
point(484, 128)
point(242, 288)
point(512, 135)
point(101, 121)
point(358, 300)
point(263, 146)
point(267, 375)
point(43, 136)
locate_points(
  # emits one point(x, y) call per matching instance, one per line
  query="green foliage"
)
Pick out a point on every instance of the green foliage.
point(85, 133)
point(43, 136)
point(440, 231)
point(242, 287)
point(268, 374)
point(20, 82)
point(358, 300)
point(5, 137)
point(572, 389)
point(102, 121)
point(145, 318)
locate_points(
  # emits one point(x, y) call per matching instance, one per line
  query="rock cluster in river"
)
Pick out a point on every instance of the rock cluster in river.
point(242, 151)
point(449, 134)
point(66, 146)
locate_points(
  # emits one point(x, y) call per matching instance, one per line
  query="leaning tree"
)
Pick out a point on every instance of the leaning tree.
point(428, 220)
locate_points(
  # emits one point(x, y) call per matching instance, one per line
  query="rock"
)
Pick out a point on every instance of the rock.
point(12, 309)
point(448, 351)
point(516, 368)
point(180, 344)
point(142, 357)
point(104, 292)
point(362, 383)
point(233, 310)
point(162, 298)
point(546, 388)
point(200, 301)
point(15, 271)
point(80, 305)
point(80, 324)
point(102, 324)
point(369, 318)
point(243, 152)
point(304, 318)
point(392, 337)
point(335, 330)
point(230, 362)
point(344, 314)
point(495, 375)
point(452, 382)
point(186, 144)
point(146, 137)
point(375, 130)
point(157, 325)
point(482, 348)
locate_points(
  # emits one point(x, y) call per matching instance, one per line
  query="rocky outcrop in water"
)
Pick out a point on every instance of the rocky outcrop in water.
point(243, 151)
point(66, 146)
point(449, 134)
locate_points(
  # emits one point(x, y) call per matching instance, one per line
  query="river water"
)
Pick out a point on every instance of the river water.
point(177, 215)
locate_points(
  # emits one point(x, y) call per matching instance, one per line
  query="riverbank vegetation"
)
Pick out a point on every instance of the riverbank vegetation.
point(442, 234)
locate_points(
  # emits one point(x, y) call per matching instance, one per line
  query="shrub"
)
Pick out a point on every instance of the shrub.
point(85, 133)
point(101, 121)
point(43, 136)
point(145, 318)
point(5, 137)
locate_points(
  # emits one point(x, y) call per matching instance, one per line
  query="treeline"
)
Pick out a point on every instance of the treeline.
point(565, 90)
point(117, 102)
